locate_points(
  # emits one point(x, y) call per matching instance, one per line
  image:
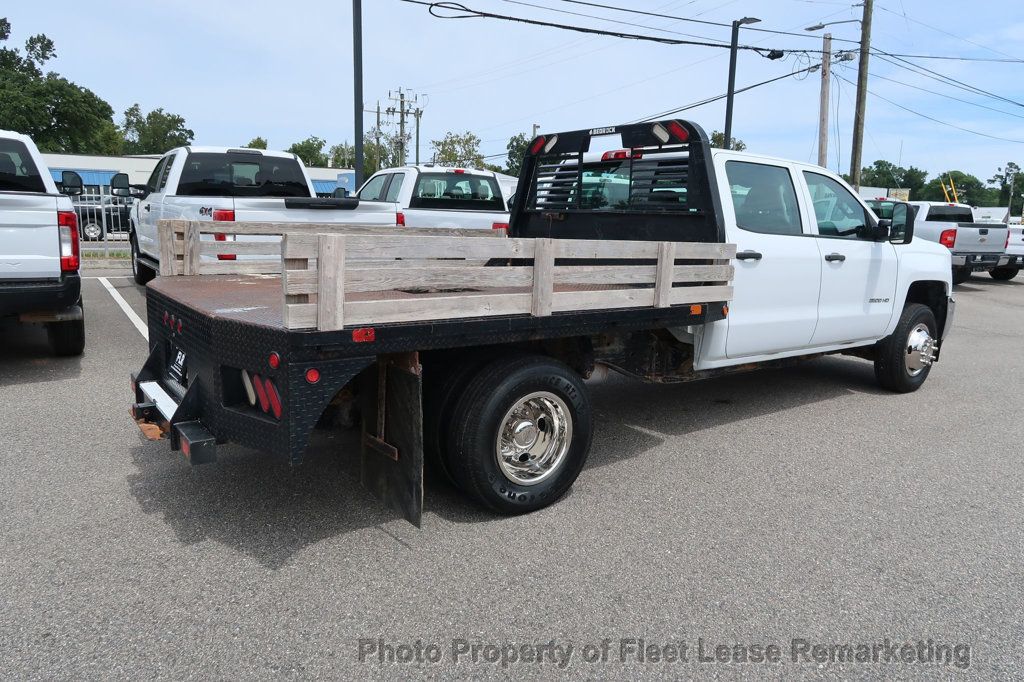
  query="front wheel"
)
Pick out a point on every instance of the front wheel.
point(141, 273)
point(1004, 274)
point(904, 358)
point(520, 433)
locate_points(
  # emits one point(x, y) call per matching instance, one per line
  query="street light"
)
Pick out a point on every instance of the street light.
point(733, 49)
point(818, 27)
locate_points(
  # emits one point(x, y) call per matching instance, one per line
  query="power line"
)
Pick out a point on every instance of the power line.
point(932, 118)
point(942, 94)
point(942, 78)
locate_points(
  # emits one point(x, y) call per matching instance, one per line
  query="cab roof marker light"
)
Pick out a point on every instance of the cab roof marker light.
point(677, 131)
point(659, 132)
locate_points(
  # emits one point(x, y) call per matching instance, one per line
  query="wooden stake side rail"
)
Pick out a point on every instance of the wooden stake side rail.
point(334, 276)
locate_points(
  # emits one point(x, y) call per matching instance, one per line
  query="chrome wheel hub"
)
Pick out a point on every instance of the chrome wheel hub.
point(92, 231)
point(533, 438)
point(920, 350)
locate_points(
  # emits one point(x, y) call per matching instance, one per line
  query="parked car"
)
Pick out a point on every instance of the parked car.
point(973, 246)
point(99, 215)
point(481, 365)
point(222, 184)
point(39, 254)
point(439, 196)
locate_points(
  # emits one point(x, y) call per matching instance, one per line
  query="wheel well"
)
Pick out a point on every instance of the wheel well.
point(933, 295)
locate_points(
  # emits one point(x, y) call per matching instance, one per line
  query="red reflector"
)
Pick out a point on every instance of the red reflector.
point(537, 145)
point(67, 231)
point(224, 215)
point(364, 335)
point(312, 375)
point(261, 393)
point(677, 131)
point(179, 326)
point(166, 317)
point(274, 360)
point(616, 155)
point(948, 238)
point(186, 447)
point(499, 226)
point(400, 219)
point(274, 398)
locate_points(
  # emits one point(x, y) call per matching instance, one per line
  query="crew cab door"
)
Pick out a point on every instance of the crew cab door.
point(858, 278)
point(778, 268)
point(151, 207)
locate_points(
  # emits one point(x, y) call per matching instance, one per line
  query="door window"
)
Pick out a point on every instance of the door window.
point(165, 173)
point(763, 198)
point(836, 210)
point(154, 177)
point(373, 190)
point(395, 187)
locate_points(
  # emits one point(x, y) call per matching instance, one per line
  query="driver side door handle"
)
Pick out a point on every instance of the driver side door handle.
point(748, 255)
point(146, 207)
point(835, 257)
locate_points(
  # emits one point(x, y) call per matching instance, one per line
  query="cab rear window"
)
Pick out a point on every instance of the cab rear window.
point(458, 191)
point(17, 171)
point(241, 174)
point(949, 214)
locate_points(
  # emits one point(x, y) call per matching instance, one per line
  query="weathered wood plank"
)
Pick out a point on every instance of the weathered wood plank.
point(435, 308)
point(331, 292)
point(596, 248)
point(301, 282)
point(663, 282)
point(212, 248)
point(379, 278)
point(701, 294)
point(239, 267)
point(168, 258)
point(638, 274)
point(279, 228)
point(191, 261)
point(599, 300)
point(297, 245)
point(417, 246)
point(300, 316)
point(543, 277)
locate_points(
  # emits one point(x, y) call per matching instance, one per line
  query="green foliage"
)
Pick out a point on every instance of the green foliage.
point(887, 174)
point(154, 133)
point(257, 143)
point(458, 149)
point(718, 140)
point(389, 153)
point(343, 155)
point(516, 147)
point(1006, 177)
point(311, 151)
point(969, 189)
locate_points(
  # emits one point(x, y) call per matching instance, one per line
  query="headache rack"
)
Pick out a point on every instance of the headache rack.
point(655, 186)
point(329, 277)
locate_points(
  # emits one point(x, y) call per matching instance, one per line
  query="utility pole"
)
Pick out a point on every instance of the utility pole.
point(731, 92)
point(418, 113)
point(357, 82)
point(536, 129)
point(1009, 210)
point(826, 73)
point(862, 94)
point(402, 112)
point(380, 163)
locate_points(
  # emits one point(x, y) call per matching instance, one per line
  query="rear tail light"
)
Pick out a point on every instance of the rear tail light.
point(676, 130)
point(67, 231)
point(621, 155)
point(948, 238)
point(537, 145)
point(261, 392)
point(273, 398)
point(400, 219)
point(224, 215)
point(499, 226)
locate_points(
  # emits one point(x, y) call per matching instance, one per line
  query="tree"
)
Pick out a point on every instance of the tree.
point(718, 140)
point(969, 189)
point(343, 155)
point(459, 150)
point(257, 143)
point(154, 133)
point(58, 114)
point(887, 174)
point(516, 147)
point(1003, 179)
point(389, 153)
point(311, 151)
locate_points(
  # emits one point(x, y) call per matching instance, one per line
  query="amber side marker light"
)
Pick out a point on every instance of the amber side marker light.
point(725, 310)
point(696, 309)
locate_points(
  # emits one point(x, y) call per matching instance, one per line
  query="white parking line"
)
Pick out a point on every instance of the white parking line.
point(119, 300)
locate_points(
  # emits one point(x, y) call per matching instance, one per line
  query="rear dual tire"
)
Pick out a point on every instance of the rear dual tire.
point(961, 275)
point(515, 433)
point(67, 338)
point(1003, 274)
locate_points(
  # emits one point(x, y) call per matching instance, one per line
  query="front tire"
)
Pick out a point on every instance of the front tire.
point(141, 273)
point(520, 433)
point(904, 358)
point(1004, 274)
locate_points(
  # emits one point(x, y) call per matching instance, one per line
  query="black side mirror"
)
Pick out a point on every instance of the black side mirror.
point(71, 184)
point(339, 193)
point(901, 228)
point(119, 185)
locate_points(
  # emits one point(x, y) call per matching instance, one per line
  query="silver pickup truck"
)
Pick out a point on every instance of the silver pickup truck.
point(39, 256)
point(974, 246)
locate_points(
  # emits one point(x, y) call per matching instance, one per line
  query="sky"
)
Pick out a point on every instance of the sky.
point(283, 70)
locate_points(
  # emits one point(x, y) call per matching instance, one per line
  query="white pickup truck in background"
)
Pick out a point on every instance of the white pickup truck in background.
point(1013, 260)
point(39, 256)
point(437, 196)
point(218, 183)
point(973, 246)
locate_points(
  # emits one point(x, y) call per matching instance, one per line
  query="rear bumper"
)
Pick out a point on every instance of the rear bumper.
point(976, 261)
point(1012, 261)
point(33, 296)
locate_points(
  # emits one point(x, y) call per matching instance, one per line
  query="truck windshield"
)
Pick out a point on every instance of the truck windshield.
point(459, 191)
point(17, 171)
point(241, 174)
point(949, 214)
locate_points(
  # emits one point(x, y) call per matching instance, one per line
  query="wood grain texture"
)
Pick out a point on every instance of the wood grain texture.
point(663, 282)
point(359, 278)
point(191, 260)
point(543, 277)
point(331, 290)
point(435, 308)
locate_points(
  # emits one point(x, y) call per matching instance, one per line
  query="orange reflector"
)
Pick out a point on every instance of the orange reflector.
point(696, 309)
point(725, 310)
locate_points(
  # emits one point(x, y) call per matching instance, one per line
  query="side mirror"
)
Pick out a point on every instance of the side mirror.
point(901, 227)
point(339, 193)
point(71, 184)
point(119, 185)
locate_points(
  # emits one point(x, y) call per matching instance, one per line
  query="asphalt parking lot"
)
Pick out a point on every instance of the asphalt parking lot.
point(801, 504)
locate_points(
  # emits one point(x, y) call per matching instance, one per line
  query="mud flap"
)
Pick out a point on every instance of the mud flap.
point(391, 465)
